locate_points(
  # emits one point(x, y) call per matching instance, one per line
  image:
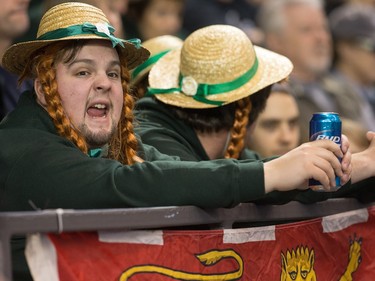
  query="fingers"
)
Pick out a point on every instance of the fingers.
point(324, 173)
point(344, 143)
point(328, 165)
point(370, 135)
point(328, 145)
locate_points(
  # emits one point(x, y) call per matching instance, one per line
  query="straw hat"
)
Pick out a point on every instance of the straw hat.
point(158, 47)
point(216, 65)
point(71, 21)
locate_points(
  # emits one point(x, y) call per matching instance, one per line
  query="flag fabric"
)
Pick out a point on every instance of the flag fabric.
point(338, 247)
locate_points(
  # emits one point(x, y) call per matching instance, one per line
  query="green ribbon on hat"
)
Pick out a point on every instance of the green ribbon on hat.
point(204, 90)
point(153, 59)
point(101, 29)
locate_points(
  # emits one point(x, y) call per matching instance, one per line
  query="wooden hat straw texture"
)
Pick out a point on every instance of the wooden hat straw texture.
point(158, 47)
point(72, 21)
point(216, 65)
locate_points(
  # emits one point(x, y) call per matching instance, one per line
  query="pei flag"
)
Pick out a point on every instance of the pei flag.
point(337, 247)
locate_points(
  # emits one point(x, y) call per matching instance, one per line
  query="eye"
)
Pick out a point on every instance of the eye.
point(82, 73)
point(304, 274)
point(293, 275)
point(113, 74)
point(293, 123)
point(269, 125)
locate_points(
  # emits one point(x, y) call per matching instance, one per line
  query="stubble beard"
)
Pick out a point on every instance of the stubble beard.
point(99, 139)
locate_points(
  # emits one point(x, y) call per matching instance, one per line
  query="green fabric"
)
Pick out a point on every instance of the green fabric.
point(79, 29)
point(41, 167)
point(36, 157)
point(158, 127)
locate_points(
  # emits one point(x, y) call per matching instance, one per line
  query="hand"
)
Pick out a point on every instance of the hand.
point(346, 165)
point(364, 162)
point(317, 160)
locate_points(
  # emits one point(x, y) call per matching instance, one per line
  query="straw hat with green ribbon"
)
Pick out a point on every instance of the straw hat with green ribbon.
point(158, 47)
point(71, 21)
point(216, 65)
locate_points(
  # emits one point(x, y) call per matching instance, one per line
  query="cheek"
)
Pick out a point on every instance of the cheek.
point(118, 102)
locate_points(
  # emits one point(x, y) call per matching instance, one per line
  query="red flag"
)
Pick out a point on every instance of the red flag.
point(338, 247)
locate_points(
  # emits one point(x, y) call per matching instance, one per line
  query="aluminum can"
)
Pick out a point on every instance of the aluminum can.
point(325, 125)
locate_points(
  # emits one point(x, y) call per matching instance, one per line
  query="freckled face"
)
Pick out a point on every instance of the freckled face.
point(91, 91)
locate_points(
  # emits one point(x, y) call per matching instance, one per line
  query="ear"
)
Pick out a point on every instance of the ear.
point(41, 98)
point(311, 258)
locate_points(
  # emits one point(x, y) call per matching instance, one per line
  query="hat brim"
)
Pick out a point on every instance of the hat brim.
point(165, 73)
point(16, 56)
point(141, 75)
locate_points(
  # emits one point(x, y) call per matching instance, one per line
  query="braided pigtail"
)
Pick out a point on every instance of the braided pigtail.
point(45, 71)
point(123, 146)
point(238, 131)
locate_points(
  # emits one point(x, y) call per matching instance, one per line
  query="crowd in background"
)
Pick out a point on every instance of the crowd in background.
point(331, 44)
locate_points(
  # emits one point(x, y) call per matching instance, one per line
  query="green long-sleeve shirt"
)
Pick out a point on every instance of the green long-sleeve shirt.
point(159, 127)
point(40, 168)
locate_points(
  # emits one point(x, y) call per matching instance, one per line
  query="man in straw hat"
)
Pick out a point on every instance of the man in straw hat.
point(207, 93)
point(70, 143)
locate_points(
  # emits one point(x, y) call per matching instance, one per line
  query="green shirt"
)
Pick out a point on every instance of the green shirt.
point(157, 126)
point(40, 168)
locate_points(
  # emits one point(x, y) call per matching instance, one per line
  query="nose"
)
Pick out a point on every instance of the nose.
point(286, 134)
point(102, 82)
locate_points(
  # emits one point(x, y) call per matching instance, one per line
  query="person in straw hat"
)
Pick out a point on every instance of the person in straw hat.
point(70, 143)
point(204, 96)
point(158, 47)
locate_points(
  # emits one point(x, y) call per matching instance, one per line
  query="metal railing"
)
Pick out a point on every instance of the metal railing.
point(59, 220)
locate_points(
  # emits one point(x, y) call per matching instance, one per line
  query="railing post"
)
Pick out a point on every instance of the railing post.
point(5, 257)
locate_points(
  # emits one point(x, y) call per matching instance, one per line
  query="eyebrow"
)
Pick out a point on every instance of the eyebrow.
point(91, 62)
point(276, 121)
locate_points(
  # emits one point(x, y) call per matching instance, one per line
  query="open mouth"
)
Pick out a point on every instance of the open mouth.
point(97, 110)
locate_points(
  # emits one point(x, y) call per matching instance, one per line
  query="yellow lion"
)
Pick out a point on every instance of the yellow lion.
point(298, 265)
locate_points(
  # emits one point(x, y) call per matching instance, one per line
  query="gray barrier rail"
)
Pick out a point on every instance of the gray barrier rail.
point(59, 220)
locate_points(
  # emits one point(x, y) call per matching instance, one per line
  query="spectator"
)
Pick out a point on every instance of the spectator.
point(158, 47)
point(352, 81)
point(208, 126)
point(299, 30)
point(14, 21)
point(70, 143)
point(146, 19)
point(276, 130)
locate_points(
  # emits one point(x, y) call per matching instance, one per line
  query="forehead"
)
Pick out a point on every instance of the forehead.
point(93, 46)
point(93, 50)
point(280, 104)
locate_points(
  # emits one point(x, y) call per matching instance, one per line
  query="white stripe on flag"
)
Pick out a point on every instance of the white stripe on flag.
point(254, 234)
point(341, 221)
point(150, 237)
point(41, 258)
